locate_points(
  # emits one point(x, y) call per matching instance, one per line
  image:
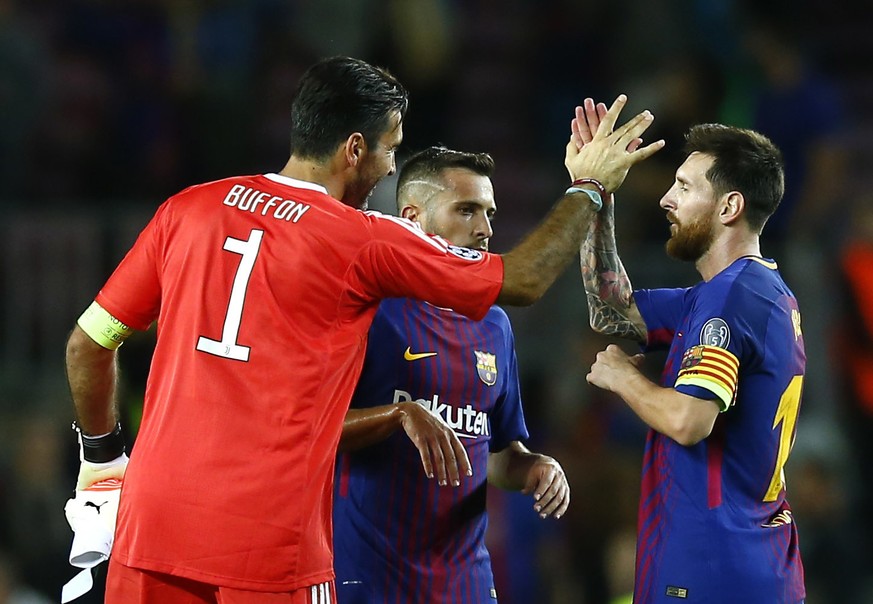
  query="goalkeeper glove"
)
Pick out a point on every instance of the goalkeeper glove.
point(92, 512)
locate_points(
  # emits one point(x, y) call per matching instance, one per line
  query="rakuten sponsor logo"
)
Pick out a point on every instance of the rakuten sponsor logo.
point(466, 422)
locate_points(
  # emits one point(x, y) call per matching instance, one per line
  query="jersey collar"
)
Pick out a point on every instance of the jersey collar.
point(293, 182)
point(762, 261)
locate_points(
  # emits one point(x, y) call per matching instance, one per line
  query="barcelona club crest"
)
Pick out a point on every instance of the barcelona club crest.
point(692, 357)
point(486, 366)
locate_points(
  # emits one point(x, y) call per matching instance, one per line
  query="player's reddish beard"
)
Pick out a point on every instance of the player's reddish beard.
point(691, 240)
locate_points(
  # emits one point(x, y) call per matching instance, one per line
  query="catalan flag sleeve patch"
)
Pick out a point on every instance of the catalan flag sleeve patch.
point(712, 368)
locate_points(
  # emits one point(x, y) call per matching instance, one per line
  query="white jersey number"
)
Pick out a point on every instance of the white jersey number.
point(227, 346)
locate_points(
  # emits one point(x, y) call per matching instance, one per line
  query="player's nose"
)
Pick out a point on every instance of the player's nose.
point(668, 201)
point(483, 228)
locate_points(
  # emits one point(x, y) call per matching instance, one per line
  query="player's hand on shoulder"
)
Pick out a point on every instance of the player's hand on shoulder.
point(547, 484)
point(442, 454)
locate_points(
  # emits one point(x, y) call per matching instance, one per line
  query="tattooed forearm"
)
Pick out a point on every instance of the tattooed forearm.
point(604, 276)
point(610, 321)
point(607, 285)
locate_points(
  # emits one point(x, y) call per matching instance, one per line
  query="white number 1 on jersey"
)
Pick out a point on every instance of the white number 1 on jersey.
point(227, 347)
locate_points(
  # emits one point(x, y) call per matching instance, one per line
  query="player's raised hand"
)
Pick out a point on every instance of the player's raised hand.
point(442, 454)
point(548, 485)
point(611, 150)
point(584, 125)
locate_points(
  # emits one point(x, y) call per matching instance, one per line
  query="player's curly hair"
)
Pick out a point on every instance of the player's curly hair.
point(744, 161)
point(337, 97)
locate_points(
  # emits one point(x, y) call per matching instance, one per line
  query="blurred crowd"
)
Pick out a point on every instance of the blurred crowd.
point(107, 108)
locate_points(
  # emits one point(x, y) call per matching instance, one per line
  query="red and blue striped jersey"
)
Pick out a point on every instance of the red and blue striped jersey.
point(399, 537)
point(714, 523)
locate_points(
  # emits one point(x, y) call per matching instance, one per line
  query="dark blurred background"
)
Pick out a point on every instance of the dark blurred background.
point(107, 108)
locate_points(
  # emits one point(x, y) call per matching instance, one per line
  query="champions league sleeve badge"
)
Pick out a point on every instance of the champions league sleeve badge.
point(486, 367)
point(465, 252)
point(716, 333)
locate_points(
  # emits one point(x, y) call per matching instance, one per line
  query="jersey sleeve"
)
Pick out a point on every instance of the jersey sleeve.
point(507, 419)
point(713, 346)
point(661, 309)
point(400, 260)
point(133, 292)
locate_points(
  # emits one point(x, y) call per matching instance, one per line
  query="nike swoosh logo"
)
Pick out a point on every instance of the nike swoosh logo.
point(414, 356)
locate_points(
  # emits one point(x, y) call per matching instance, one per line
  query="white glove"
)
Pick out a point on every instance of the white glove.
point(92, 513)
point(94, 509)
point(92, 474)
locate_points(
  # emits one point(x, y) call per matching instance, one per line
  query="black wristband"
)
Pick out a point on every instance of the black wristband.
point(100, 449)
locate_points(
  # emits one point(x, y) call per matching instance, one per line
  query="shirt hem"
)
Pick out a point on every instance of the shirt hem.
point(224, 580)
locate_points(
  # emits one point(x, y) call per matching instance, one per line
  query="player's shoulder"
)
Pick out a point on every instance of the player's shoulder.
point(749, 273)
point(749, 286)
point(211, 185)
point(498, 316)
point(497, 313)
point(396, 224)
point(244, 188)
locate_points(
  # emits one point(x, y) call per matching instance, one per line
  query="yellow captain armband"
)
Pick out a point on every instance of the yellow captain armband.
point(103, 328)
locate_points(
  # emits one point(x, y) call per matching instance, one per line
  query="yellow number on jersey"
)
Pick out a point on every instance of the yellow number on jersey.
point(786, 414)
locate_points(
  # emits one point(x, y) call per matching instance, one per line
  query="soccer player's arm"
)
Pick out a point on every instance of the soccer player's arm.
point(128, 301)
point(91, 362)
point(442, 454)
point(92, 374)
point(368, 426)
point(511, 465)
point(516, 468)
point(707, 377)
point(602, 152)
point(685, 418)
point(402, 261)
point(612, 309)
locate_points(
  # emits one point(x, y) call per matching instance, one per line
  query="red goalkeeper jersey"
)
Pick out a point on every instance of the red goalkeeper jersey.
point(264, 288)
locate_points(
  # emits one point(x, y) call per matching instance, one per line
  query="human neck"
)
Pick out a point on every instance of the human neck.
point(318, 172)
point(724, 251)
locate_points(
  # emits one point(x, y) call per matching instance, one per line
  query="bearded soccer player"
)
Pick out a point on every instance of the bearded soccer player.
point(437, 389)
point(714, 522)
point(264, 288)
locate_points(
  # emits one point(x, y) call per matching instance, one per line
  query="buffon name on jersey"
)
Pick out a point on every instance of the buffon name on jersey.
point(248, 199)
point(466, 422)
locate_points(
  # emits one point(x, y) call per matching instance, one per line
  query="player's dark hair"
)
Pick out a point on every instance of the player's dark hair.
point(744, 161)
point(337, 97)
point(428, 165)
